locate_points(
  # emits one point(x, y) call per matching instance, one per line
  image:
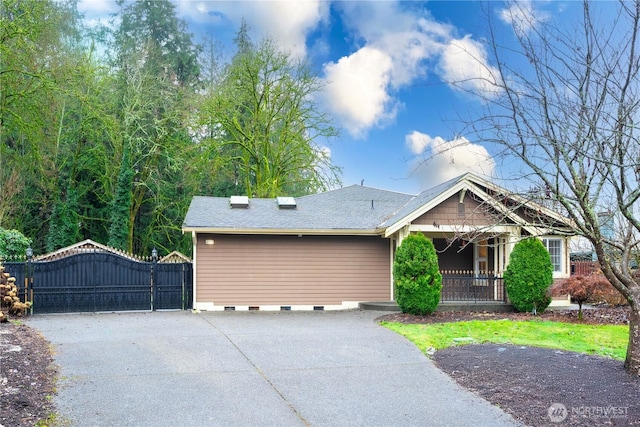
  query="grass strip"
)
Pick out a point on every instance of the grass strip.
point(603, 340)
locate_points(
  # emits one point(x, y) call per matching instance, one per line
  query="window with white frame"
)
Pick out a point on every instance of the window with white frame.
point(554, 246)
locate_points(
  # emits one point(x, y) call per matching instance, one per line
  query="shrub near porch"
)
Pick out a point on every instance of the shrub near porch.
point(416, 276)
point(528, 276)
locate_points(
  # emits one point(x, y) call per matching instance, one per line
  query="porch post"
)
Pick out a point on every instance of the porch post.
point(510, 241)
point(498, 263)
point(496, 254)
point(402, 233)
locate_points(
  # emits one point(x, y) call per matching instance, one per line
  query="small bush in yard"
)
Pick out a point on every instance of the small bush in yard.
point(581, 289)
point(529, 276)
point(13, 244)
point(416, 276)
point(593, 288)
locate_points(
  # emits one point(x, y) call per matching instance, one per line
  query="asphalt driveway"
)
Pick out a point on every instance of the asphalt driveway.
point(250, 369)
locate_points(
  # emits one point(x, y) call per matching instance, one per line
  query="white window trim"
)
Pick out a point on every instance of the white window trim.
point(563, 254)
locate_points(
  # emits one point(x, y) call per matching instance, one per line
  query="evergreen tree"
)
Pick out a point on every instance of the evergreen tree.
point(64, 227)
point(120, 222)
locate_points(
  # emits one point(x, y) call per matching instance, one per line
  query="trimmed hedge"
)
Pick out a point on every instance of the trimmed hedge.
point(529, 276)
point(416, 276)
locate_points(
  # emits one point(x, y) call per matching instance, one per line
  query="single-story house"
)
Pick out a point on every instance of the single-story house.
point(335, 249)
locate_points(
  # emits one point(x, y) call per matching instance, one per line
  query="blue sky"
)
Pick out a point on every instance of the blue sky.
point(385, 65)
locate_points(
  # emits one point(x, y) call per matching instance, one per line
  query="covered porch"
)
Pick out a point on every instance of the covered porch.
point(472, 270)
point(472, 267)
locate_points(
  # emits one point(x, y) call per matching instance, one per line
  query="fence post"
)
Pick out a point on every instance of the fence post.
point(182, 294)
point(154, 287)
point(28, 290)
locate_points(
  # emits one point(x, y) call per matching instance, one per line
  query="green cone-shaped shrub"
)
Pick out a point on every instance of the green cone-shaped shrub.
point(528, 276)
point(416, 276)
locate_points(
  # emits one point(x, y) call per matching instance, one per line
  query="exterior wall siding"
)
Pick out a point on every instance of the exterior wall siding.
point(446, 213)
point(256, 270)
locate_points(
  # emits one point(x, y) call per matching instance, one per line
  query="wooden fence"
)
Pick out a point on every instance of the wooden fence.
point(583, 268)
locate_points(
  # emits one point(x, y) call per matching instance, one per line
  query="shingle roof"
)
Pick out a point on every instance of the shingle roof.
point(350, 208)
point(353, 209)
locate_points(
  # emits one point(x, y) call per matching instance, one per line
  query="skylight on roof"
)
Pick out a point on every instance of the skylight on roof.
point(286, 202)
point(239, 201)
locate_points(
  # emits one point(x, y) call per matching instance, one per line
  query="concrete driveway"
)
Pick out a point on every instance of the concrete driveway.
point(250, 369)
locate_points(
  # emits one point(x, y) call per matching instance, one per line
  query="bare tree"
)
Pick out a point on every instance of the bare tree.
point(566, 107)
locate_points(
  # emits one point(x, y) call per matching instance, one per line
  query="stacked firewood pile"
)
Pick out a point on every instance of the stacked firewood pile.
point(10, 302)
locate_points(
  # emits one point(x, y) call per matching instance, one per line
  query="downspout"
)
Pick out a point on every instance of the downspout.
point(392, 247)
point(194, 239)
point(567, 257)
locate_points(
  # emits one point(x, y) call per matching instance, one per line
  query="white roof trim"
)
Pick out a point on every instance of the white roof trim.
point(407, 219)
point(530, 228)
point(470, 183)
point(546, 211)
point(280, 231)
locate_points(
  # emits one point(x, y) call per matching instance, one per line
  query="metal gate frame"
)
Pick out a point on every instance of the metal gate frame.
point(98, 281)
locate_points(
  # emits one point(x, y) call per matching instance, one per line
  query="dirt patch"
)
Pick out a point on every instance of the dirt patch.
point(27, 376)
point(542, 387)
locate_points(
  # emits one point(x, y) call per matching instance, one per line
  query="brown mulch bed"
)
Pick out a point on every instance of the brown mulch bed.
point(27, 376)
point(542, 387)
point(597, 315)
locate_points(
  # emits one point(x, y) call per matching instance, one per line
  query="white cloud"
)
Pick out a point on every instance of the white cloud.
point(418, 142)
point(464, 65)
point(286, 22)
point(522, 16)
point(407, 36)
point(438, 160)
point(97, 12)
point(97, 7)
point(356, 89)
point(396, 43)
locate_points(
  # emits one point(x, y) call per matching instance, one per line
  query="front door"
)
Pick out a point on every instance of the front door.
point(481, 258)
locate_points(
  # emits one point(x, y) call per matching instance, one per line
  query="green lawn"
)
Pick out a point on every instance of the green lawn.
point(603, 340)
